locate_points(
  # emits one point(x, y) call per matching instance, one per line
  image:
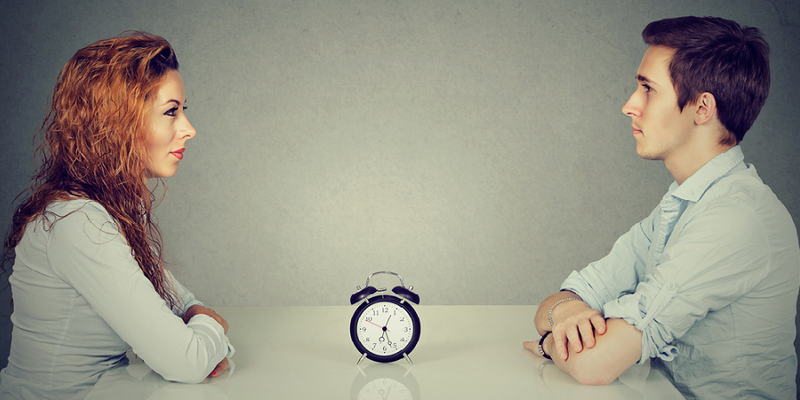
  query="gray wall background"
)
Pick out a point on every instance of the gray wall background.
point(475, 147)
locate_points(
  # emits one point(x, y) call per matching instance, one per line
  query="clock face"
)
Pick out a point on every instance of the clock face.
point(384, 382)
point(385, 389)
point(384, 328)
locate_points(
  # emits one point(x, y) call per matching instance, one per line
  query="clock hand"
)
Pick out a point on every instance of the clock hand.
point(374, 324)
point(386, 396)
point(382, 327)
point(385, 330)
point(388, 341)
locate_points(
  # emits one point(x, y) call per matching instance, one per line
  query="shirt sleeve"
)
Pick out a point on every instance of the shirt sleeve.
point(185, 298)
point(708, 263)
point(87, 251)
point(616, 273)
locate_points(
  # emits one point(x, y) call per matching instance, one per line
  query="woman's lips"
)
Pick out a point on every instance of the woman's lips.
point(178, 154)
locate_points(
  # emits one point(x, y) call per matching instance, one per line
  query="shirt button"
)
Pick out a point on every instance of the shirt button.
point(672, 286)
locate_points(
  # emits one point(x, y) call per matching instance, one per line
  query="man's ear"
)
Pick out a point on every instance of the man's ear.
point(705, 108)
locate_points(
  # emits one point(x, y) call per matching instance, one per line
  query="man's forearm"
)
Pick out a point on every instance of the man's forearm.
point(616, 350)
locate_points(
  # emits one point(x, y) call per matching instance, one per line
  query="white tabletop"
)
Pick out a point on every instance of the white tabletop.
point(464, 352)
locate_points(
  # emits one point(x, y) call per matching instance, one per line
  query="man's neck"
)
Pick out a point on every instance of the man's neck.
point(684, 164)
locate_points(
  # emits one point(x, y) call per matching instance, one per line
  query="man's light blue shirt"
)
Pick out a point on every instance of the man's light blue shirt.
point(711, 279)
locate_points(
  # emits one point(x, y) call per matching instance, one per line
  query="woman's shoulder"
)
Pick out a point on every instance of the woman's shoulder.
point(78, 223)
point(66, 207)
point(77, 211)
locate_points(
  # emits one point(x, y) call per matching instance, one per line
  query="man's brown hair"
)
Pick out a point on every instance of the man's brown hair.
point(720, 57)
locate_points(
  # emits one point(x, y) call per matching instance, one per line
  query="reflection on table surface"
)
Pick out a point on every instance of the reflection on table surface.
point(464, 352)
point(137, 381)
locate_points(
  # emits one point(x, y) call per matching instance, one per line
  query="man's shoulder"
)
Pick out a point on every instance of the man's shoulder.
point(741, 186)
point(747, 207)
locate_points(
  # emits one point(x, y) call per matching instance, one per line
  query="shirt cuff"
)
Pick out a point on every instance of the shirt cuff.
point(214, 332)
point(231, 350)
point(576, 284)
point(207, 319)
point(655, 337)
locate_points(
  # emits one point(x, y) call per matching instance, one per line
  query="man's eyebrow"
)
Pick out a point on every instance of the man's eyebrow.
point(642, 78)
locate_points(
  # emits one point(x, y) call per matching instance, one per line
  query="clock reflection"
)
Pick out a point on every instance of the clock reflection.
point(384, 382)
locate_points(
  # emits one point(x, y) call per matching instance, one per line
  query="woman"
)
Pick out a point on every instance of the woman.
point(88, 282)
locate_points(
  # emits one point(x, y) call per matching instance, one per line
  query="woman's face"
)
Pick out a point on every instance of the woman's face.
point(169, 128)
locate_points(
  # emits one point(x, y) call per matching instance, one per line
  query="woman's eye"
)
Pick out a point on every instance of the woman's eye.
point(171, 111)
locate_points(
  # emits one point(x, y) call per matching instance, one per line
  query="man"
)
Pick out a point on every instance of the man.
point(707, 285)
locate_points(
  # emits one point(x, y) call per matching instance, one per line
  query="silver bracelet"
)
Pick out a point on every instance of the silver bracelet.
point(550, 313)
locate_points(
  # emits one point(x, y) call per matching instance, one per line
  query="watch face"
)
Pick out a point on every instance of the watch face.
point(384, 328)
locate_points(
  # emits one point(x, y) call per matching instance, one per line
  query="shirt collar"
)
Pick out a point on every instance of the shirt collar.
point(693, 188)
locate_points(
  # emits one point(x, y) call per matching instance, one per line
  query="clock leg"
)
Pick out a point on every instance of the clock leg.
point(361, 359)
point(408, 358)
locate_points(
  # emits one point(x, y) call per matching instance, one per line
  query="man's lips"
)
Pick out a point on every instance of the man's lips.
point(178, 153)
point(636, 131)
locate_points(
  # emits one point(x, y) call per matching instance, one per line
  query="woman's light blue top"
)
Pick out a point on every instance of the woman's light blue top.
point(81, 301)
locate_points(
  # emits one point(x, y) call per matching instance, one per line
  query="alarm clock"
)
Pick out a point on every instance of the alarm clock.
point(384, 327)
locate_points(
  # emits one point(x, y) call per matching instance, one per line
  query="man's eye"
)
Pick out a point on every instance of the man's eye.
point(646, 87)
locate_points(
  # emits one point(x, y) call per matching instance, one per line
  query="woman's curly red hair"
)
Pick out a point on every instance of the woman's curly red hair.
point(93, 144)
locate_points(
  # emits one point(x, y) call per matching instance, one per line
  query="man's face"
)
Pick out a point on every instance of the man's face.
point(660, 128)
